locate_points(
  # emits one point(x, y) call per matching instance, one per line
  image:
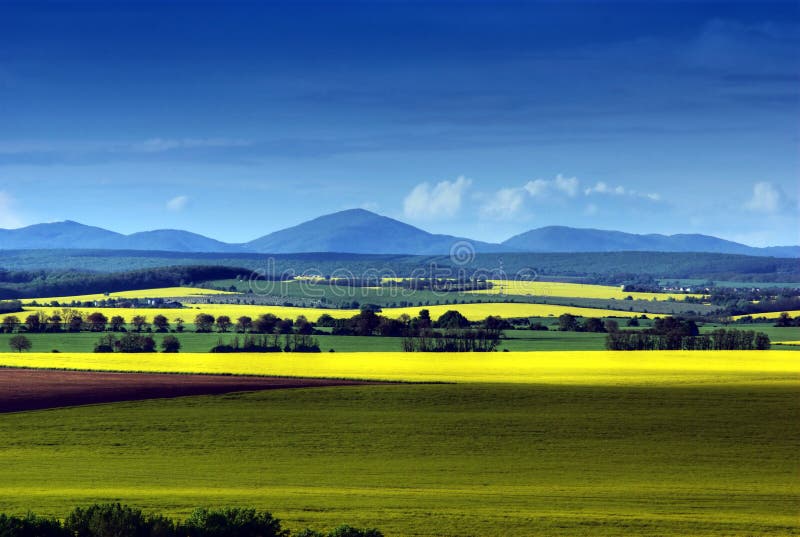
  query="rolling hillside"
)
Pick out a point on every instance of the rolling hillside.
point(359, 231)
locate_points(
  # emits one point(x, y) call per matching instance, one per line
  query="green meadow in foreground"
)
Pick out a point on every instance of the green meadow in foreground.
point(446, 459)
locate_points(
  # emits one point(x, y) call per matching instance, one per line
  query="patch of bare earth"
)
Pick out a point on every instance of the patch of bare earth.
point(33, 389)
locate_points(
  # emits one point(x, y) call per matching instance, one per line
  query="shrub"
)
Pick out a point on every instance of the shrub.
point(31, 526)
point(349, 531)
point(115, 520)
point(170, 344)
point(233, 522)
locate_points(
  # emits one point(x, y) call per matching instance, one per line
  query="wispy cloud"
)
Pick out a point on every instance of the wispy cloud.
point(167, 144)
point(8, 216)
point(503, 204)
point(605, 189)
point(93, 151)
point(441, 200)
point(560, 185)
point(767, 198)
point(178, 203)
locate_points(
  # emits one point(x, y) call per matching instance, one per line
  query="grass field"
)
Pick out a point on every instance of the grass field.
point(467, 459)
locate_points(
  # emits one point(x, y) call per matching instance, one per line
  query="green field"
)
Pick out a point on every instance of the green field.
point(304, 293)
point(467, 459)
point(515, 340)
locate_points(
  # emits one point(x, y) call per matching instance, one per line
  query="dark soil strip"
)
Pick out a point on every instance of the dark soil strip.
point(33, 389)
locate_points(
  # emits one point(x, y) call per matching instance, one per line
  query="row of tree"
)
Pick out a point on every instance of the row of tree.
point(115, 520)
point(479, 340)
point(718, 340)
point(69, 320)
point(131, 342)
point(269, 343)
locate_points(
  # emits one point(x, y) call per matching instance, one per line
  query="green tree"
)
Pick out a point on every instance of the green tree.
point(106, 343)
point(54, 323)
point(33, 323)
point(203, 322)
point(75, 323)
point(452, 319)
point(224, 323)
point(117, 323)
point(567, 323)
point(170, 344)
point(303, 326)
point(349, 531)
point(161, 323)
point(593, 324)
point(244, 324)
point(233, 522)
point(139, 322)
point(265, 324)
point(115, 520)
point(784, 320)
point(97, 322)
point(10, 323)
point(19, 343)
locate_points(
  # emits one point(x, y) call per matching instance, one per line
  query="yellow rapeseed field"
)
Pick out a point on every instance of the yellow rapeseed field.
point(162, 292)
point(561, 367)
point(769, 315)
point(573, 290)
point(473, 312)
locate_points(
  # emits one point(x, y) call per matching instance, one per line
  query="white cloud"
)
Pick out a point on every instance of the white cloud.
point(601, 187)
point(155, 145)
point(767, 198)
point(567, 185)
point(541, 187)
point(537, 187)
point(8, 219)
point(441, 200)
point(178, 203)
point(505, 203)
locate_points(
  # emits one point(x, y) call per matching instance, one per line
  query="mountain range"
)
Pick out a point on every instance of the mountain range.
point(362, 231)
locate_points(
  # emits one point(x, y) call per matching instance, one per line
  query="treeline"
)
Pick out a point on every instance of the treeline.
point(34, 284)
point(451, 332)
point(269, 343)
point(672, 334)
point(115, 520)
point(591, 267)
point(10, 306)
point(442, 284)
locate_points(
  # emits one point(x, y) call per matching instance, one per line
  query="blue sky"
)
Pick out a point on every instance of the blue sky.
point(478, 119)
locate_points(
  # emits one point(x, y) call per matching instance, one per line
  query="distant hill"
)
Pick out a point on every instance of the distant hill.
point(175, 240)
point(568, 239)
point(360, 231)
point(69, 235)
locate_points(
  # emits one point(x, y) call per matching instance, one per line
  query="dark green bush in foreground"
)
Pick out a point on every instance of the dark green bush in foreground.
point(115, 520)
